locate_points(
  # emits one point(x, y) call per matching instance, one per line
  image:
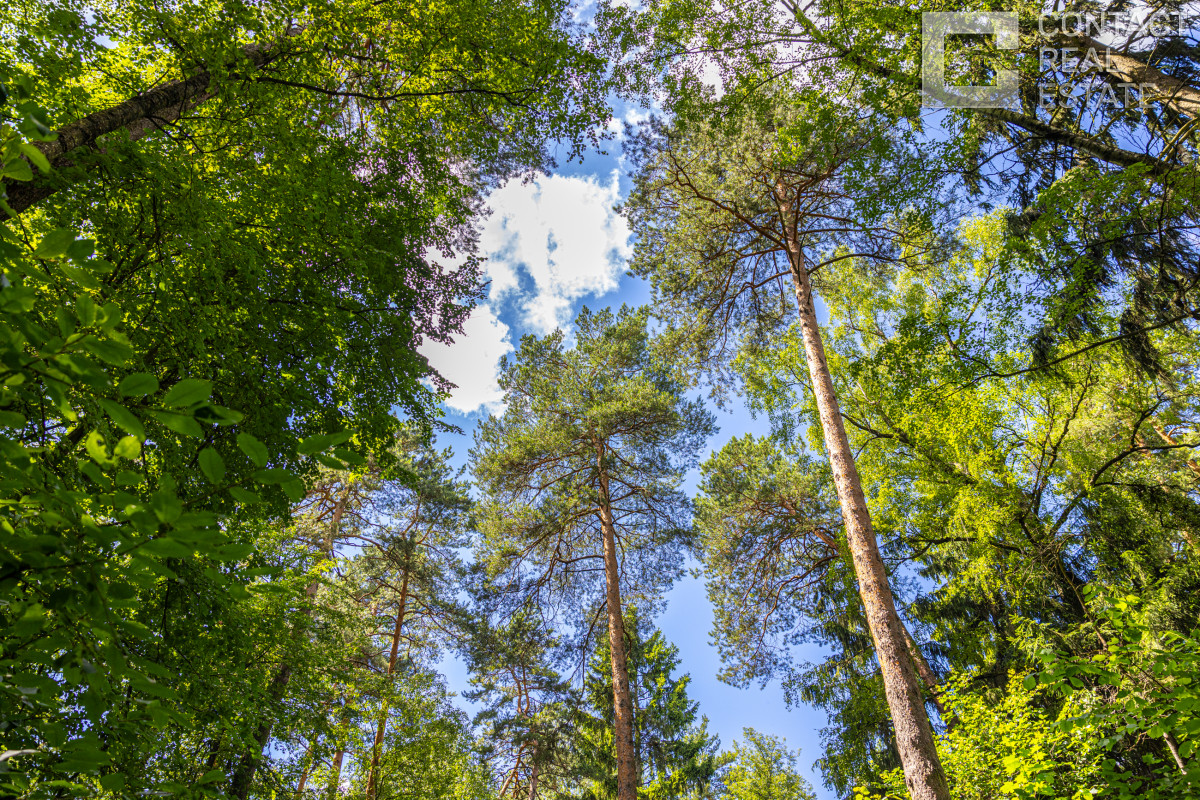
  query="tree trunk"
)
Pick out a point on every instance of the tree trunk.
point(381, 728)
point(622, 702)
point(1171, 92)
point(308, 762)
point(243, 777)
point(140, 114)
point(533, 781)
point(914, 735)
point(335, 774)
point(1173, 746)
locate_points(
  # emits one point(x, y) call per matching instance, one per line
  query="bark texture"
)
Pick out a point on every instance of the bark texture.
point(140, 115)
point(627, 779)
point(914, 735)
point(1171, 92)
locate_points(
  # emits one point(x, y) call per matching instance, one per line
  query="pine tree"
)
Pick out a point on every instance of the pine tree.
point(581, 480)
point(676, 756)
point(736, 213)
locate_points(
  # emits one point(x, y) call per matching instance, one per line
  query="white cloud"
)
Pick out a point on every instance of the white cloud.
point(548, 243)
point(472, 362)
point(563, 234)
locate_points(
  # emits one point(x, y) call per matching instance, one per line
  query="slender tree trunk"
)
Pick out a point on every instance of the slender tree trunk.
point(381, 727)
point(214, 752)
point(622, 702)
point(308, 762)
point(335, 774)
point(1173, 746)
point(533, 781)
point(243, 777)
point(914, 735)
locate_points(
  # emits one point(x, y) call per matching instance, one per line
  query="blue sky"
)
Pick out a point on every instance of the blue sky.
point(554, 245)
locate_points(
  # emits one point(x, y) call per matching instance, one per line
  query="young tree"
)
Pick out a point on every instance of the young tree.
point(676, 756)
point(580, 477)
point(528, 718)
point(764, 769)
point(732, 211)
point(411, 566)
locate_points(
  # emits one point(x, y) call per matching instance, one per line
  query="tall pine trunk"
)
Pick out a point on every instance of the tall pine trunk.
point(627, 778)
point(381, 727)
point(914, 735)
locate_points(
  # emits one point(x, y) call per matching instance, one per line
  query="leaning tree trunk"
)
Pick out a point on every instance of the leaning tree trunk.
point(622, 701)
point(138, 115)
point(914, 735)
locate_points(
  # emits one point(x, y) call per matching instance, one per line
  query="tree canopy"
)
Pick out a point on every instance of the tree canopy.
point(953, 516)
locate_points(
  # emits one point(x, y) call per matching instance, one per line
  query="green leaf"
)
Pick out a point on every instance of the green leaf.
point(54, 243)
point(212, 775)
point(328, 461)
point(138, 384)
point(166, 548)
point(81, 249)
point(349, 456)
point(124, 417)
point(36, 156)
point(130, 447)
point(11, 419)
point(244, 495)
point(79, 276)
point(113, 782)
point(18, 170)
point(294, 489)
point(180, 423)
point(188, 392)
point(94, 444)
point(253, 448)
point(273, 476)
point(212, 465)
point(115, 353)
point(322, 442)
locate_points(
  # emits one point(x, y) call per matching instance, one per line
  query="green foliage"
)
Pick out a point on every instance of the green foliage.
point(95, 519)
point(763, 768)
point(428, 751)
point(677, 756)
point(1004, 744)
point(1104, 725)
point(607, 417)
